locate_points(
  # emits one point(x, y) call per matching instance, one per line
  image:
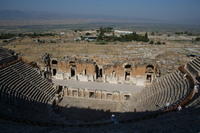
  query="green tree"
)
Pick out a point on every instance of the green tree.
point(152, 33)
point(146, 39)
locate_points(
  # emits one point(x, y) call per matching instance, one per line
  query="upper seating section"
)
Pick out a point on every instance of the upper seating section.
point(21, 81)
point(7, 56)
point(194, 67)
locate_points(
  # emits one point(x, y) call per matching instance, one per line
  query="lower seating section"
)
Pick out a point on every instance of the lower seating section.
point(196, 102)
point(169, 90)
point(21, 81)
point(28, 111)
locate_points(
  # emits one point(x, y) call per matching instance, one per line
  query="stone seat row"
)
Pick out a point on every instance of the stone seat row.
point(167, 91)
point(193, 66)
point(21, 81)
point(17, 85)
point(34, 78)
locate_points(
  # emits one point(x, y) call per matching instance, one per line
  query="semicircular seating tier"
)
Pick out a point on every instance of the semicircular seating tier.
point(194, 68)
point(21, 81)
point(168, 90)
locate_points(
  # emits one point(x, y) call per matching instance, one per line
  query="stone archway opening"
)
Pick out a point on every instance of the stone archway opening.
point(54, 72)
point(54, 62)
point(99, 72)
point(127, 76)
point(149, 77)
point(73, 72)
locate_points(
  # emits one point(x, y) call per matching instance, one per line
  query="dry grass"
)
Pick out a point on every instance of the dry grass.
point(33, 51)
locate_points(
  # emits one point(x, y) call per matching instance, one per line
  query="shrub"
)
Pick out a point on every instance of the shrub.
point(7, 35)
point(87, 34)
point(151, 42)
point(158, 43)
point(197, 39)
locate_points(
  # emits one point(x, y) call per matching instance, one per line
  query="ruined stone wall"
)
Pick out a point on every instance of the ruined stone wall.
point(97, 94)
point(117, 69)
point(85, 71)
point(82, 67)
point(96, 99)
point(90, 70)
point(138, 71)
point(63, 67)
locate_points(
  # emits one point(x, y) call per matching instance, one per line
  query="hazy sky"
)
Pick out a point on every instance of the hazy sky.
point(172, 10)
